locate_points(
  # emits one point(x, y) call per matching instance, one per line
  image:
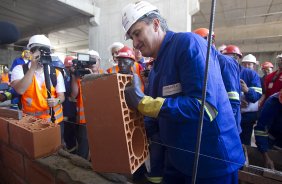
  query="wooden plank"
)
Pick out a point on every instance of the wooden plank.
point(10, 113)
point(256, 179)
point(277, 175)
point(256, 158)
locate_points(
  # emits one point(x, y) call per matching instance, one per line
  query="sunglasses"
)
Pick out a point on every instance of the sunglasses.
point(34, 49)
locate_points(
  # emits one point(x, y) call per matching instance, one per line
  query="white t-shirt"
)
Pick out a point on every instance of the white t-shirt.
point(18, 74)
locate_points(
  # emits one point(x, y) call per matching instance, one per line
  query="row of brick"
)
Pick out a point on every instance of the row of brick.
point(16, 168)
point(33, 137)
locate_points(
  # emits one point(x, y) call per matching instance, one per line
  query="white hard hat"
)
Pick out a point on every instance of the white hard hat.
point(221, 48)
point(133, 11)
point(93, 53)
point(38, 40)
point(249, 59)
point(6, 68)
point(116, 45)
point(279, 56)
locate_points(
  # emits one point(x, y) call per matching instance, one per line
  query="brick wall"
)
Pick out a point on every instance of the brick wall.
point(24, 159)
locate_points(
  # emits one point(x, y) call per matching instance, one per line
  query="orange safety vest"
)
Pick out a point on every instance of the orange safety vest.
point(5, 78)
point(34, 102)
point(79, 105)
point(101, 71)
point(135, 69)
point(113, 69)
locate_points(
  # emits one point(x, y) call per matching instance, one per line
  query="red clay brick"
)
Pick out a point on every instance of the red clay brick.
point(10, 113)
point(4, 135)
point(12, 160)
point(116, 134)
point(34, 137)
point(36, 174)
point(8, 176)
point(14, 178)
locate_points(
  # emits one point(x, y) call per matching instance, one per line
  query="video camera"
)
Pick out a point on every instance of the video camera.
point(45, 54)
point(82, 63)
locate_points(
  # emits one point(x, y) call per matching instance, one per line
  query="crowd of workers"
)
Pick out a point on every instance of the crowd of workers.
point(168, 70)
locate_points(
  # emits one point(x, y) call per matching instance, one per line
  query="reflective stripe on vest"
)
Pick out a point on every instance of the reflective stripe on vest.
point(80, 108)
point(212, 113)
point(38, 113)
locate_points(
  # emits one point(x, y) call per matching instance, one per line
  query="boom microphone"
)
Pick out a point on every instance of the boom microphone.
point(8, 33)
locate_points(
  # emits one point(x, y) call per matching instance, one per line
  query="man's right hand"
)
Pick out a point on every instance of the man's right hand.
point(244, 104)
point(35, 60)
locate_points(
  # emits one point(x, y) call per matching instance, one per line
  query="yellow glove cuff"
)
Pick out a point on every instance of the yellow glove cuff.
point(151, 107)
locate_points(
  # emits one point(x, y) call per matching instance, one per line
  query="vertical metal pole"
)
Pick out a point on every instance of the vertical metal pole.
point(204, 91)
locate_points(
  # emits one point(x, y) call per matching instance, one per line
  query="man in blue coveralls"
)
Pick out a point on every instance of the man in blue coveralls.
point(174, 99)
point(230, 73)
point(268, 131)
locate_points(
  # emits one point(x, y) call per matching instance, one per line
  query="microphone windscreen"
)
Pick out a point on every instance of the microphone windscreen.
point(8, 33)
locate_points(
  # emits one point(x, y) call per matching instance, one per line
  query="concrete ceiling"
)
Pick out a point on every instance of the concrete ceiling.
point(66, 27)
point(254, 25)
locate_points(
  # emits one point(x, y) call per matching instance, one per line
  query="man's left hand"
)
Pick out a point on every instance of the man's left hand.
point(133, 93)
point(244, 86)
point(52, 102)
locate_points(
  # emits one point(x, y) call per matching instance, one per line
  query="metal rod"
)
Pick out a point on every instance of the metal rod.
point(204, 91)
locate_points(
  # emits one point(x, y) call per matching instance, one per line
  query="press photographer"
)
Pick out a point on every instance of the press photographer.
point(30, 83)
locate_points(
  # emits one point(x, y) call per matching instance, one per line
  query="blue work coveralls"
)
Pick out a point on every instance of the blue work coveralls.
point(230, 73)
point(178, 76)
point(268, 131)
point(252, 79)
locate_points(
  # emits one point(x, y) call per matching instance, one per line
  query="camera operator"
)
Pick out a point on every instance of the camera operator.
point(31, 84)
point(95, 68)
point(79, 70)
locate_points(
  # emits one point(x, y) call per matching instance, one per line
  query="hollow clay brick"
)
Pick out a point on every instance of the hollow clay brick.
point(34, 137)
point(116, 134)
point(4, 135)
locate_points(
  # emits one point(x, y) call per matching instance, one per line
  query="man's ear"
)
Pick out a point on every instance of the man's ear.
point(156, 24)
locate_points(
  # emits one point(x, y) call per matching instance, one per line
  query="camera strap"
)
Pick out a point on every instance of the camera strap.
point(53, 76)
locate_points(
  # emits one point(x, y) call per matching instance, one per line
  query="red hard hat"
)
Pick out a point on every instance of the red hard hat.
point(203, 32)
point(266, 65)
point(232, 49)
point(68, 61)
point(126, 52)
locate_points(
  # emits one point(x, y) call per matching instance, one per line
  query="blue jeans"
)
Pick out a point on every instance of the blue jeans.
point(83, 148)
point(247, 124)
point(70, 134)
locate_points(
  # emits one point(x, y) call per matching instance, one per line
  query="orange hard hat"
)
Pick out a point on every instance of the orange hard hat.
point(232, 49)
point(203, 32)
point(126, 52)
point(266, 65)
point(68, 61)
